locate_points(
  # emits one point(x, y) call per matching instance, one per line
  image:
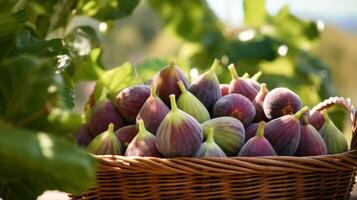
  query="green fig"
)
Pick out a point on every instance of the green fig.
point(334, 139)
point(179, 134)
point(209, 148)
point(106, 143)
point(191, 105)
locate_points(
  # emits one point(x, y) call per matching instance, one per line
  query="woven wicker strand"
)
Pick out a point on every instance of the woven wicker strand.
point(276, 177)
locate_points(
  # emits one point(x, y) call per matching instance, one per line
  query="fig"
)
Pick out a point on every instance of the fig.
point(258, 104)
point(224, 89)
point(130, 100)
point(191, 105)
point(235, 105)
point(206, 87)
point(102, 114)
point(165, 82)
point(316, 119)
point(106, 143)
point(283, 133)
point(281, 101)
point(126, 134)
point(228, 133)
point(311, 142)
point(83, 136)
point(258, 145)
point(250, 131)
point(253, 81)
point(209, 148)
point(153, 111)
point(179, 134)
point(334, 139)
point(241, 85)
point(143, 144)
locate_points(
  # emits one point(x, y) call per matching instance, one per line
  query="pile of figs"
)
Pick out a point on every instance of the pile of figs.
point(174, 118)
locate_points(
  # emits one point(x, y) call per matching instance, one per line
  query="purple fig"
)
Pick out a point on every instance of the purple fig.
point(209, 148)
point(83, 136)
point(311, 142)
point(250, 131)
point(281, 101)
point(106, 143)
point(235, 105)
point(143, 144)
point(188, 103)
point(258, 103)
point(241, 85)
point(130, 100)
point(228, 133)
point(206, 87)
point(224, 89)
point(179, 134)
point(127, 133)
point(165, 82)
point(102, 114)
point(316, 119)
point(153, 111)
point(257, 145)
point(283, 133)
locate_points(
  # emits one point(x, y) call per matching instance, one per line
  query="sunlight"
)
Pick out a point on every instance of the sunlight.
point(46, 145)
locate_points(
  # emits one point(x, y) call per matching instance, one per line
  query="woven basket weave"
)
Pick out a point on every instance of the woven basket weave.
point(279, 177)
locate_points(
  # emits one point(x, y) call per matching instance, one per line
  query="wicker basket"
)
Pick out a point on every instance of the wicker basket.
point(279, 177)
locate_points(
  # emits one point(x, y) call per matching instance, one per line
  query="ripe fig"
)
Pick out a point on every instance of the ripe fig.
point(209, 148)
point(250, 131)
point(235, 105)
point(165, 82)
point(153, 111)
point(311, 142)
point(316, 119)
point(241, 85)
point(130, 100)
point(224, 89)
point(191, 105)
point(143, 144)
point(334, 139)
point(206, 87)
point(106, 143)
point(257, 145)
point(102, 114)
point(83, 136)
point(258, 103)
point(179, 134)
point(253, 81)
point(228, 133)
point(126, 134)
point(283, 133)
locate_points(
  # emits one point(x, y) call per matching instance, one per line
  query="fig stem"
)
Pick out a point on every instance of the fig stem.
point(299, 113)
point(233, 71)
point(173, 102)
point(263, 88)
point(111, 128)
point(214, 65)
point(245, 75)
point(181, 86)
point(141, 126)
point(257, 75)
point(210, 136)
point(153, 91)
point(260, 130)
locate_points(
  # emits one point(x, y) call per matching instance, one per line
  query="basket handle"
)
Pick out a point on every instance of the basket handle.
point(346, 104)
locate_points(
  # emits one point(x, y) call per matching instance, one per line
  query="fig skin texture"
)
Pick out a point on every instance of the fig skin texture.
point(209, 148)
point(127, 133)
point(253, 81)
point(206, 87)
point(104, 113)
point(281, 101)
point(316, 119)
point(258, 145)
point(258, 104)
point(83, 136)
point(188, 103)
point(106, 143)
point(165, 82)
point(283, 133)
point(143, 144)
point(241, 85)
point(235, 105)
point(153, 111)
point(224, 89)
point(228, 133)
point(130, 100)
point(251, 131)
point(179, 134)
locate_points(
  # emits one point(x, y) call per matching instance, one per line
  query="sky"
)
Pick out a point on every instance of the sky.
point(340, 13)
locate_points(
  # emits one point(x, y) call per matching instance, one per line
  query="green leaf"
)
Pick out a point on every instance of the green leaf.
point(254, 12)
point(32, 162)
